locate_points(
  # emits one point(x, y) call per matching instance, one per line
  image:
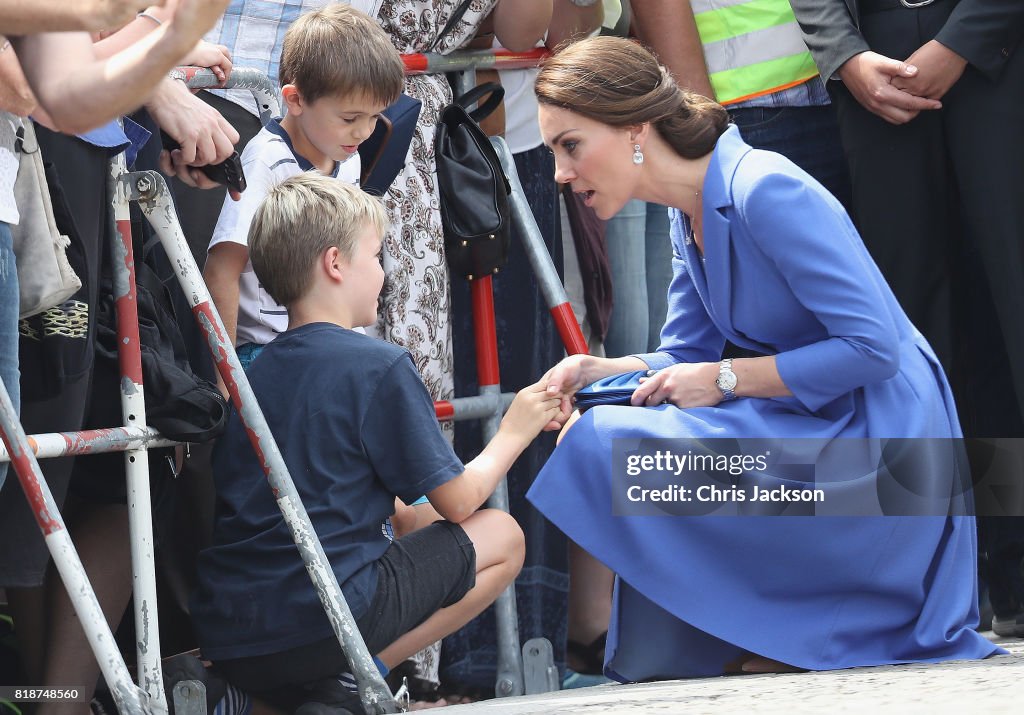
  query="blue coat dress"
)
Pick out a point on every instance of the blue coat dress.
point(784, 273)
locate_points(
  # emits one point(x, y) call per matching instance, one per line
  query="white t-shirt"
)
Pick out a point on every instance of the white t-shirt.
point(9, 162)
point(267, 160)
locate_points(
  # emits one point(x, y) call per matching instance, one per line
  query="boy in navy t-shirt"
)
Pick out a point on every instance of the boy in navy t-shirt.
point(357, 429)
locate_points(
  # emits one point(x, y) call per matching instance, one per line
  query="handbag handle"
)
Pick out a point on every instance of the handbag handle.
point(452, 22)
point(472, 96)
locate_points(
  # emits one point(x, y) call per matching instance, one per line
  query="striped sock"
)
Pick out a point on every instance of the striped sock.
point(234, 702)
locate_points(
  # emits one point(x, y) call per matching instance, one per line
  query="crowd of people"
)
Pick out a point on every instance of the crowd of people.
point(801, 225)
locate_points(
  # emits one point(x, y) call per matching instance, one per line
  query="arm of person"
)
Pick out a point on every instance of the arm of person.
point(204, 135)
point(224, 265)
point(688, 336)
point(15, 95)
point(80, 92)
point(815, 247)
point(668, 28)
point(571, 22)
point(203, 54)
point(985, 33)
point(520, 24)
point(981, 33)
point(530, 411)
point(840, 51)
point(830, 33)
point(29, 17)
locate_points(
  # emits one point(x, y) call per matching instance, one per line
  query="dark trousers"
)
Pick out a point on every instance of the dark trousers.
point(940, 204)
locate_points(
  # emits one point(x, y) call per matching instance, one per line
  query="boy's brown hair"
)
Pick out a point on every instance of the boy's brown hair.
point(340, 51)
point(301, 218)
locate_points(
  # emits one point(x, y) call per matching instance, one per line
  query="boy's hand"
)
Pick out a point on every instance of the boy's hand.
point(531, 410)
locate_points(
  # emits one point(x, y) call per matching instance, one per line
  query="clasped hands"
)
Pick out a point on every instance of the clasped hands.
point(899, 91)
point(684, 385)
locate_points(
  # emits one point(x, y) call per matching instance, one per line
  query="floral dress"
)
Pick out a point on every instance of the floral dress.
point(415, 303)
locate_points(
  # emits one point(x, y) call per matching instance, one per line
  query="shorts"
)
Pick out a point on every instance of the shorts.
point(418, 575)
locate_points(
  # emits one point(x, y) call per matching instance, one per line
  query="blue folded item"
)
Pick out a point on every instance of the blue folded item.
point(611, 390)
point(383, 153)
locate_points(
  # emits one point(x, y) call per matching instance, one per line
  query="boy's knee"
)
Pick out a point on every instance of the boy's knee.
point(497, 538)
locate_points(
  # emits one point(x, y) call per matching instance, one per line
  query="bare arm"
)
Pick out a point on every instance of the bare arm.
point(15, 95)
point(81, 92)
point(29, 17)
point(694, 384)
point(531, 410)
point(133, 31)
point(520, 25)
point(668, 28)
point(570, 22)
point(224, 266)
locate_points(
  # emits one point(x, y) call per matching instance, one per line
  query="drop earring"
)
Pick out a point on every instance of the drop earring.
point(638, 156)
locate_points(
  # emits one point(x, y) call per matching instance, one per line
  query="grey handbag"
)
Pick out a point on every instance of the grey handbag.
point(45, 277)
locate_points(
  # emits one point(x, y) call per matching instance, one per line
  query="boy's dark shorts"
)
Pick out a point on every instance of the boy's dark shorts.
point(418, 575)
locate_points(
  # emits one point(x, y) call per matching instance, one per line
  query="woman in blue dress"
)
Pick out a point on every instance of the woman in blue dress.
point(766, 258)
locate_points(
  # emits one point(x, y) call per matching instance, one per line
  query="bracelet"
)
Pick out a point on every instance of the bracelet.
point(146, 15)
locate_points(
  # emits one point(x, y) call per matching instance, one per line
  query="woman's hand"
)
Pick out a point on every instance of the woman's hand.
point(684, 385)
point(216, 57)
point(563, 381)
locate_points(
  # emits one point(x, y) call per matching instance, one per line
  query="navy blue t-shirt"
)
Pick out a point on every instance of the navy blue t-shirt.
point(356, 428)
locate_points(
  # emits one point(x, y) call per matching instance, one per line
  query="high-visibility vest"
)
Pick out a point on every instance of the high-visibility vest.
point(751, 47)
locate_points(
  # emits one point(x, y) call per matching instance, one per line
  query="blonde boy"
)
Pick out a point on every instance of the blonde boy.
point(357, 429)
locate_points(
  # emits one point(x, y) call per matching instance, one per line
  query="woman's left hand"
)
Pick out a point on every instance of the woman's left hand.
point(684, 385)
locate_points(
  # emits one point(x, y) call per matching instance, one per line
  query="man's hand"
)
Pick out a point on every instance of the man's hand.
point(938, 69)
point(870, 78)
point(207, 54)
point(205, 136)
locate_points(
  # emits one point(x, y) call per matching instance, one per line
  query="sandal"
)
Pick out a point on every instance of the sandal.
point(589, 657)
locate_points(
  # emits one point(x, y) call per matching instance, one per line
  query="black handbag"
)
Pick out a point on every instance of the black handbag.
point(384, 152)
point(474, 192)
point(611, 390)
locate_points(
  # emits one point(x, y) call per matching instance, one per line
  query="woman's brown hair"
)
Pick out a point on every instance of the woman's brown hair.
point(619, 83)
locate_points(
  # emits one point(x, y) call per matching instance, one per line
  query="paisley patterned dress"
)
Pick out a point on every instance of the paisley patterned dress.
point(415, 303)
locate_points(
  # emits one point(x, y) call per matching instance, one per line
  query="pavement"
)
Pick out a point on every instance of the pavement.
point(994, 685)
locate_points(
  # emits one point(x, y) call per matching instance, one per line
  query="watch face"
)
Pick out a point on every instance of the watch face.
point(726, 380)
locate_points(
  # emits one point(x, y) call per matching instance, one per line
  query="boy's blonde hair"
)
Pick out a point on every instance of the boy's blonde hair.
point(340, 51)
point(300, 219)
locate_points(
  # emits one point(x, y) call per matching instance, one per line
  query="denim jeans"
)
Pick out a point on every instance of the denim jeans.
point(640, 255)
point(9, 301)
point(807, 136)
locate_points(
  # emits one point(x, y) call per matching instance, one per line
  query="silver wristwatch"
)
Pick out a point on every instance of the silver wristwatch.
point(726, 381)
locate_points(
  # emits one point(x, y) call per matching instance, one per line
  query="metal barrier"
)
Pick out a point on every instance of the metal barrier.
point(149, 189)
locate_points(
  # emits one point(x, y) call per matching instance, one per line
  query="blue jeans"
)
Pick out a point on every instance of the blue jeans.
point(9, 301)
point(640, 255)
point(807, 136)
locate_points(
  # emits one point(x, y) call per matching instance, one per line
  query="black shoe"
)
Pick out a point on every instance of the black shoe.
point(188, 667)
point(1011, 626)
point(321, 709)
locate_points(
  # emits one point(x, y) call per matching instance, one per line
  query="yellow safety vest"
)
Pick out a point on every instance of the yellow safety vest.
point(751, 47)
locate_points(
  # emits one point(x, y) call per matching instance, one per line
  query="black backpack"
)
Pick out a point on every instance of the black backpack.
point(474, 193)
